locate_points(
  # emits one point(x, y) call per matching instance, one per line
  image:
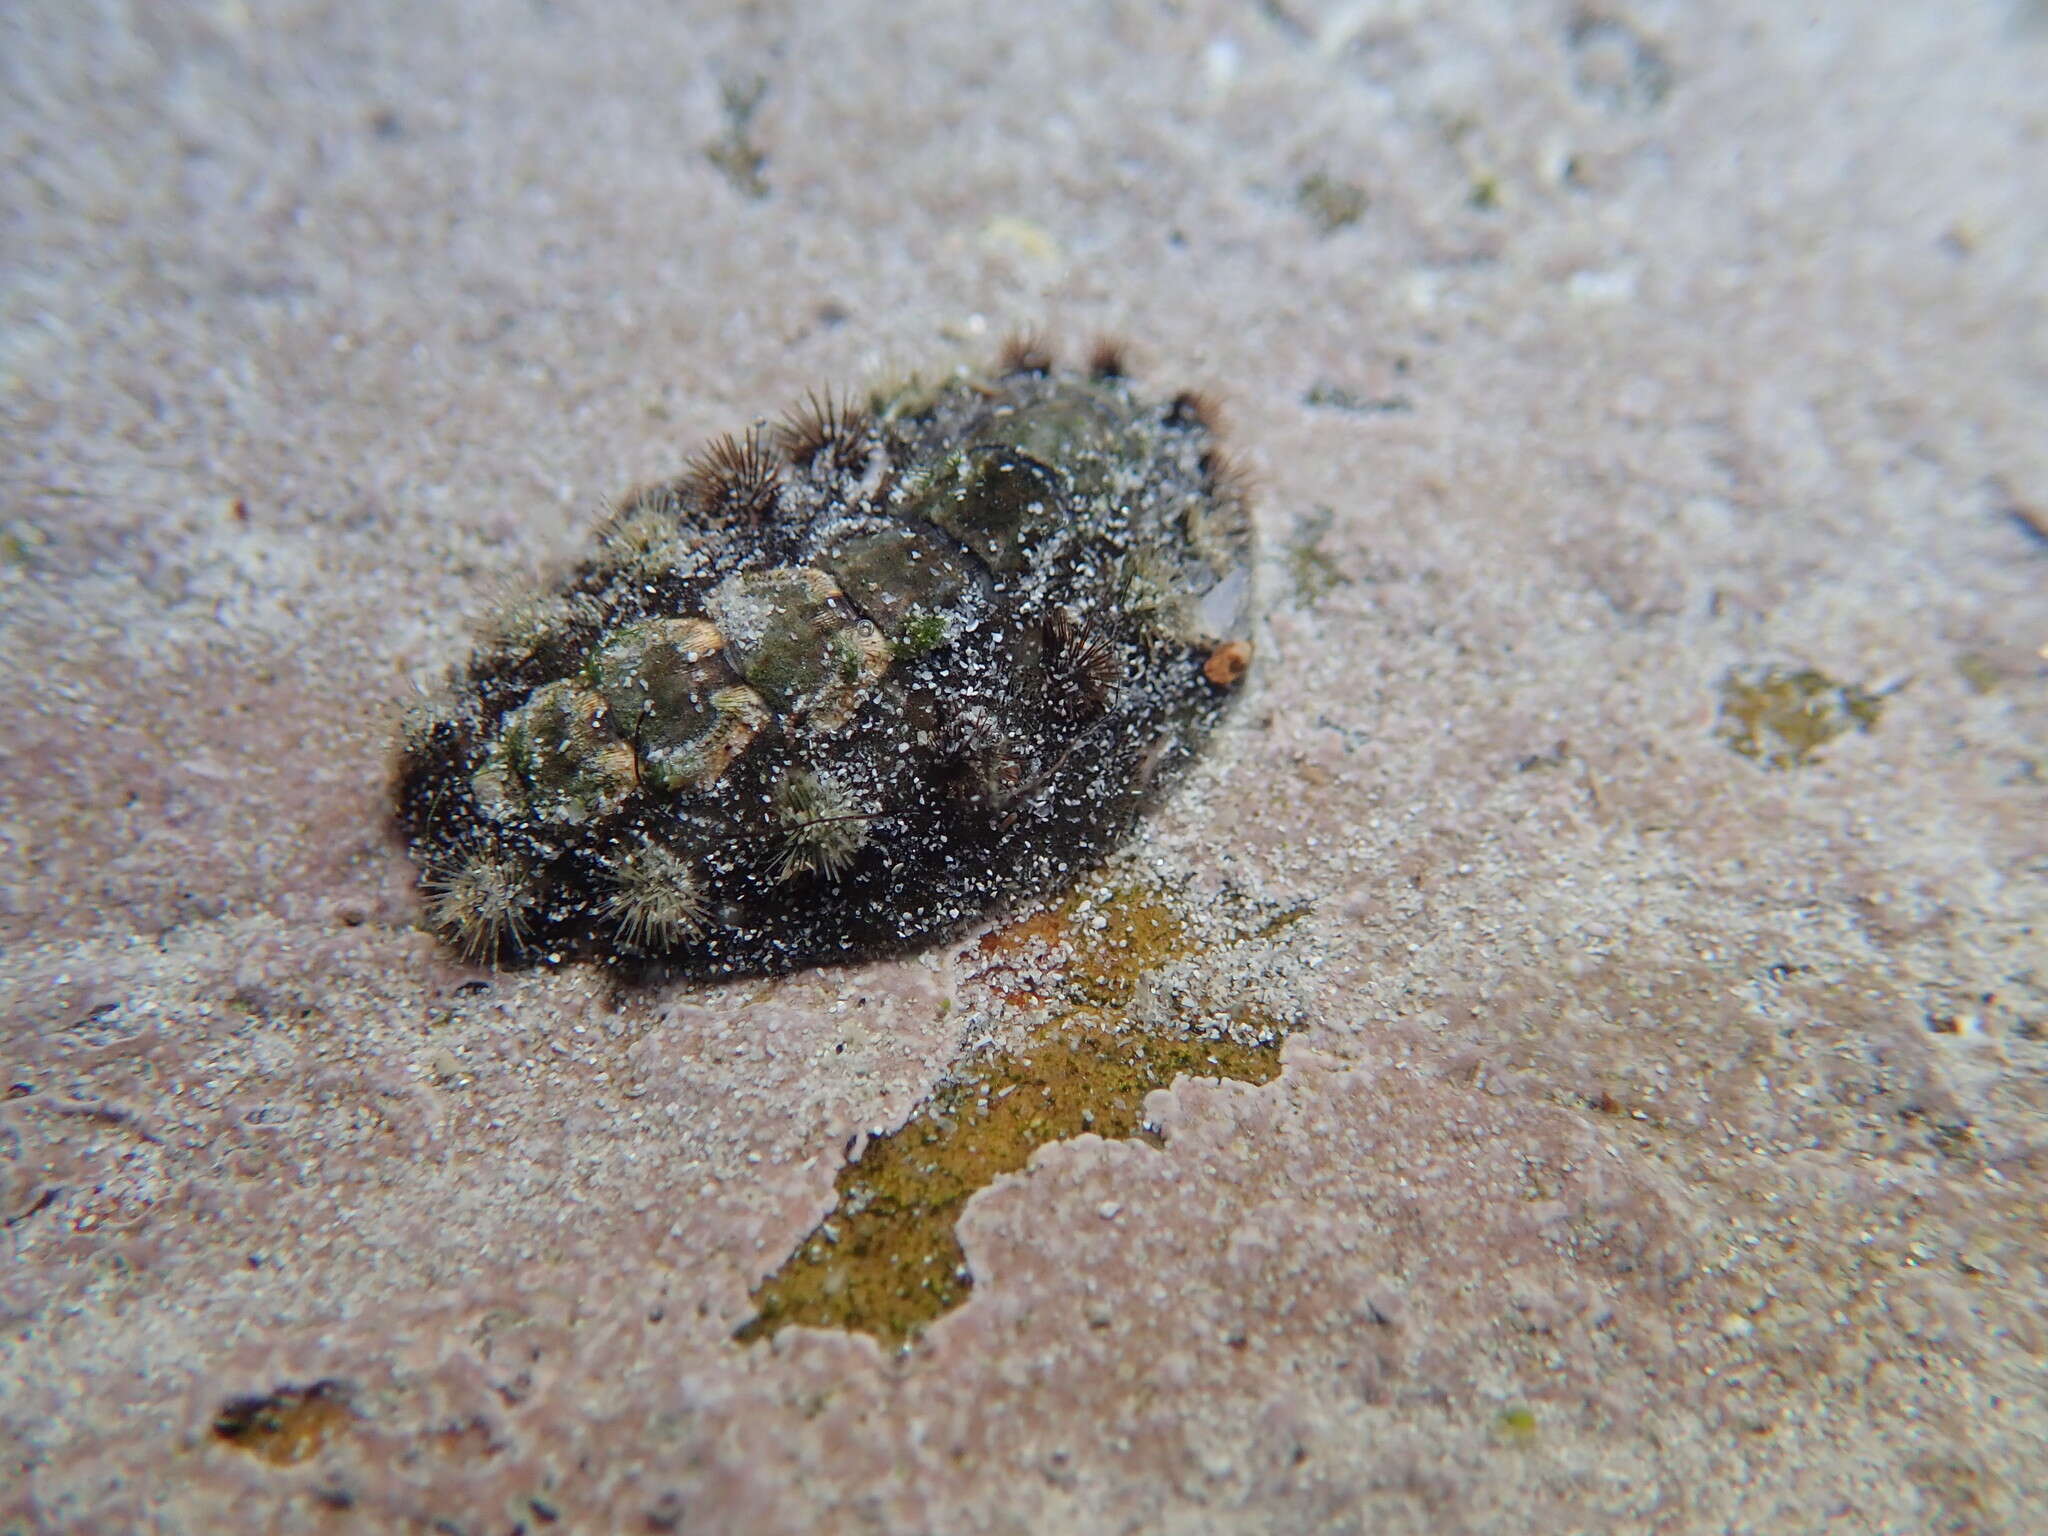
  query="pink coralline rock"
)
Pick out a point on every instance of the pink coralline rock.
point(1659, 1140)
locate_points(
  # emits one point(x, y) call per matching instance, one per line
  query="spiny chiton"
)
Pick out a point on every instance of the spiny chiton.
point(845, 684)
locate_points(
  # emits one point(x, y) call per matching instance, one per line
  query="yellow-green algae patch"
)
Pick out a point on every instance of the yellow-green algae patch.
point(1782, 717)
point(887, 1260)
point(1979, 672)
point(1125, 938)
point(1316, 575)
point(1515, 1426)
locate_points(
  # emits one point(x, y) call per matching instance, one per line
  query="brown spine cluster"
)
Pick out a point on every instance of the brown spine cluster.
point(826, 428)
point(1083, 665)
point(735, 480)
point(1024, 352)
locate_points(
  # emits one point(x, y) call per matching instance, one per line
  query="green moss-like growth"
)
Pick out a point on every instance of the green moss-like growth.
point(738, 158)
point(1782, 717)
point(922, 632)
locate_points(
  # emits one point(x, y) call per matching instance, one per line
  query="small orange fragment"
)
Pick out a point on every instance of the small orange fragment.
point(1228, 663)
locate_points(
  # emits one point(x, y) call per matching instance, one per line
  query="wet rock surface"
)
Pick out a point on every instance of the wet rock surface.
point(1656, 1141)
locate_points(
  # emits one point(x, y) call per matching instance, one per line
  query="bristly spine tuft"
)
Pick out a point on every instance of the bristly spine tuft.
point(1196, 408)
point(735, 480)
point(823, 829)
point(827, 431)
point(1230, 481)
point(1109, 358)
point(479, 905)
point(644, 529)
point(1025, 351)
point(658, 901)
point(1083, 666)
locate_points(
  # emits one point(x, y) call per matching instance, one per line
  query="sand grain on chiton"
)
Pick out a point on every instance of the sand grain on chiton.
point(845, 683)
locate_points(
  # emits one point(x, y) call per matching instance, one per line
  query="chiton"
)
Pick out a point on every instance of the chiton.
point(846, 684)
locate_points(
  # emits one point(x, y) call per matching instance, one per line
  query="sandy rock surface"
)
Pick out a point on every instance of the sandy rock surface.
point(1663, 1141)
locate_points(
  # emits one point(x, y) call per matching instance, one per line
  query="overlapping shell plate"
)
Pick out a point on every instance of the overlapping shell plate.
point(845, 685)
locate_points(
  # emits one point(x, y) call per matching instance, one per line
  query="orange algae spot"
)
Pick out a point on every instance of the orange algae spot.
point(1089, 952)
point(1012, 953)
point(287, 1426)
